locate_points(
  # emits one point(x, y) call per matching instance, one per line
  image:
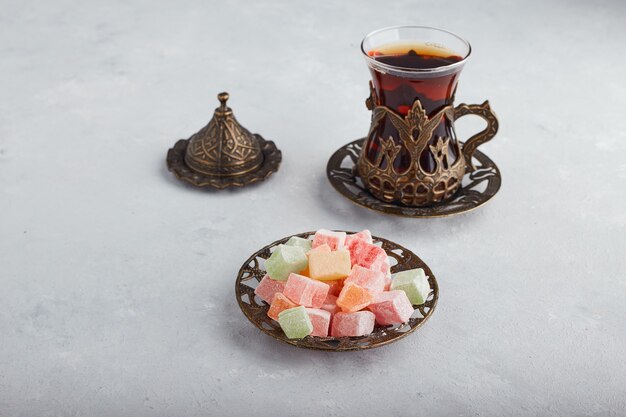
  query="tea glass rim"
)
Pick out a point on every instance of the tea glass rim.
point(444, 68)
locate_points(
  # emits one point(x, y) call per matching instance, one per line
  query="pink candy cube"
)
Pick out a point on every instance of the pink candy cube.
point(321, 248)
point(320, 320)
point(387, 282)
point(386, 268)
point(363, 235)
point(368, 256)
point(330, 304)
point(305, 291)
point(336, 240)
point(268, 287)
point(373, 281)
point(359, 323)
point(391, 307)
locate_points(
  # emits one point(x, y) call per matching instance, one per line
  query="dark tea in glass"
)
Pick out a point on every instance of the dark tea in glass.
point(399, 93)
point(411, 154)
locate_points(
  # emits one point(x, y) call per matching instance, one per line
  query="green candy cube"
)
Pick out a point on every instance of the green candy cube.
point(300, 242)
point(295, 322)
point(414, 283)
point(285, 260)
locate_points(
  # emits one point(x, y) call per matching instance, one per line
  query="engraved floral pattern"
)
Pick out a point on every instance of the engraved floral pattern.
point(477, 186)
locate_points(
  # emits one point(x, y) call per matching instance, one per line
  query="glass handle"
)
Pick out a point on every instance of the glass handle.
point(484, 111)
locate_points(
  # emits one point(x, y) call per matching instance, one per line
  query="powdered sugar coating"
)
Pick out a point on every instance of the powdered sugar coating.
point(268, 287)
point(391, 307)
point(359, 323)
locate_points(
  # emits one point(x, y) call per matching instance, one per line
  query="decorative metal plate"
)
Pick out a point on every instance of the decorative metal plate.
point(255, 309)
point(176, 164)
point(476, 189)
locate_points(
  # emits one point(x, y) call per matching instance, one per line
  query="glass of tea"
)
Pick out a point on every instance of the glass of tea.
point(411, 154)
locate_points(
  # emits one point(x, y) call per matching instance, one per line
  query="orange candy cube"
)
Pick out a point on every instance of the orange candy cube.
point(354, 298)
point(279, 303)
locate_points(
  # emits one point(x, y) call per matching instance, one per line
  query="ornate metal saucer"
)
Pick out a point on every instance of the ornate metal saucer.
point(477, 187)
point(252, 271)
point(223, 154)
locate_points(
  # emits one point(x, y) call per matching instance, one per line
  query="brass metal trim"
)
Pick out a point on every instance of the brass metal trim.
point(484, 111)
point(175, 160)
point(415, 186)
point(477, 187)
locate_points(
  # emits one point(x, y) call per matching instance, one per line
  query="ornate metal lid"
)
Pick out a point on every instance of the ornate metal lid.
point(223, 148)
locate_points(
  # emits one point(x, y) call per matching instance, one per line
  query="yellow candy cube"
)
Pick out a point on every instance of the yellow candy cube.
point(321, 248)
point(329, 265)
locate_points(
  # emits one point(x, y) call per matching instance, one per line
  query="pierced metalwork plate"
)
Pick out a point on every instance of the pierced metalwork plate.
point(255, 309)
point(176, 164)
point(477, 187)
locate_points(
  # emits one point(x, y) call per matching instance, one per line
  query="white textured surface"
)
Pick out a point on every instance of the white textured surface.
point(116, 282)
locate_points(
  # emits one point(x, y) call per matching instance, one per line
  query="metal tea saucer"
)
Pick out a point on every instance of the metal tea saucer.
point(476, 189)
point(176, 163)
point(223, 153)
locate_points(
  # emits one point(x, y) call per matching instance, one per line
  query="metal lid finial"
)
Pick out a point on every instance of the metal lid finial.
point(223, 98)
